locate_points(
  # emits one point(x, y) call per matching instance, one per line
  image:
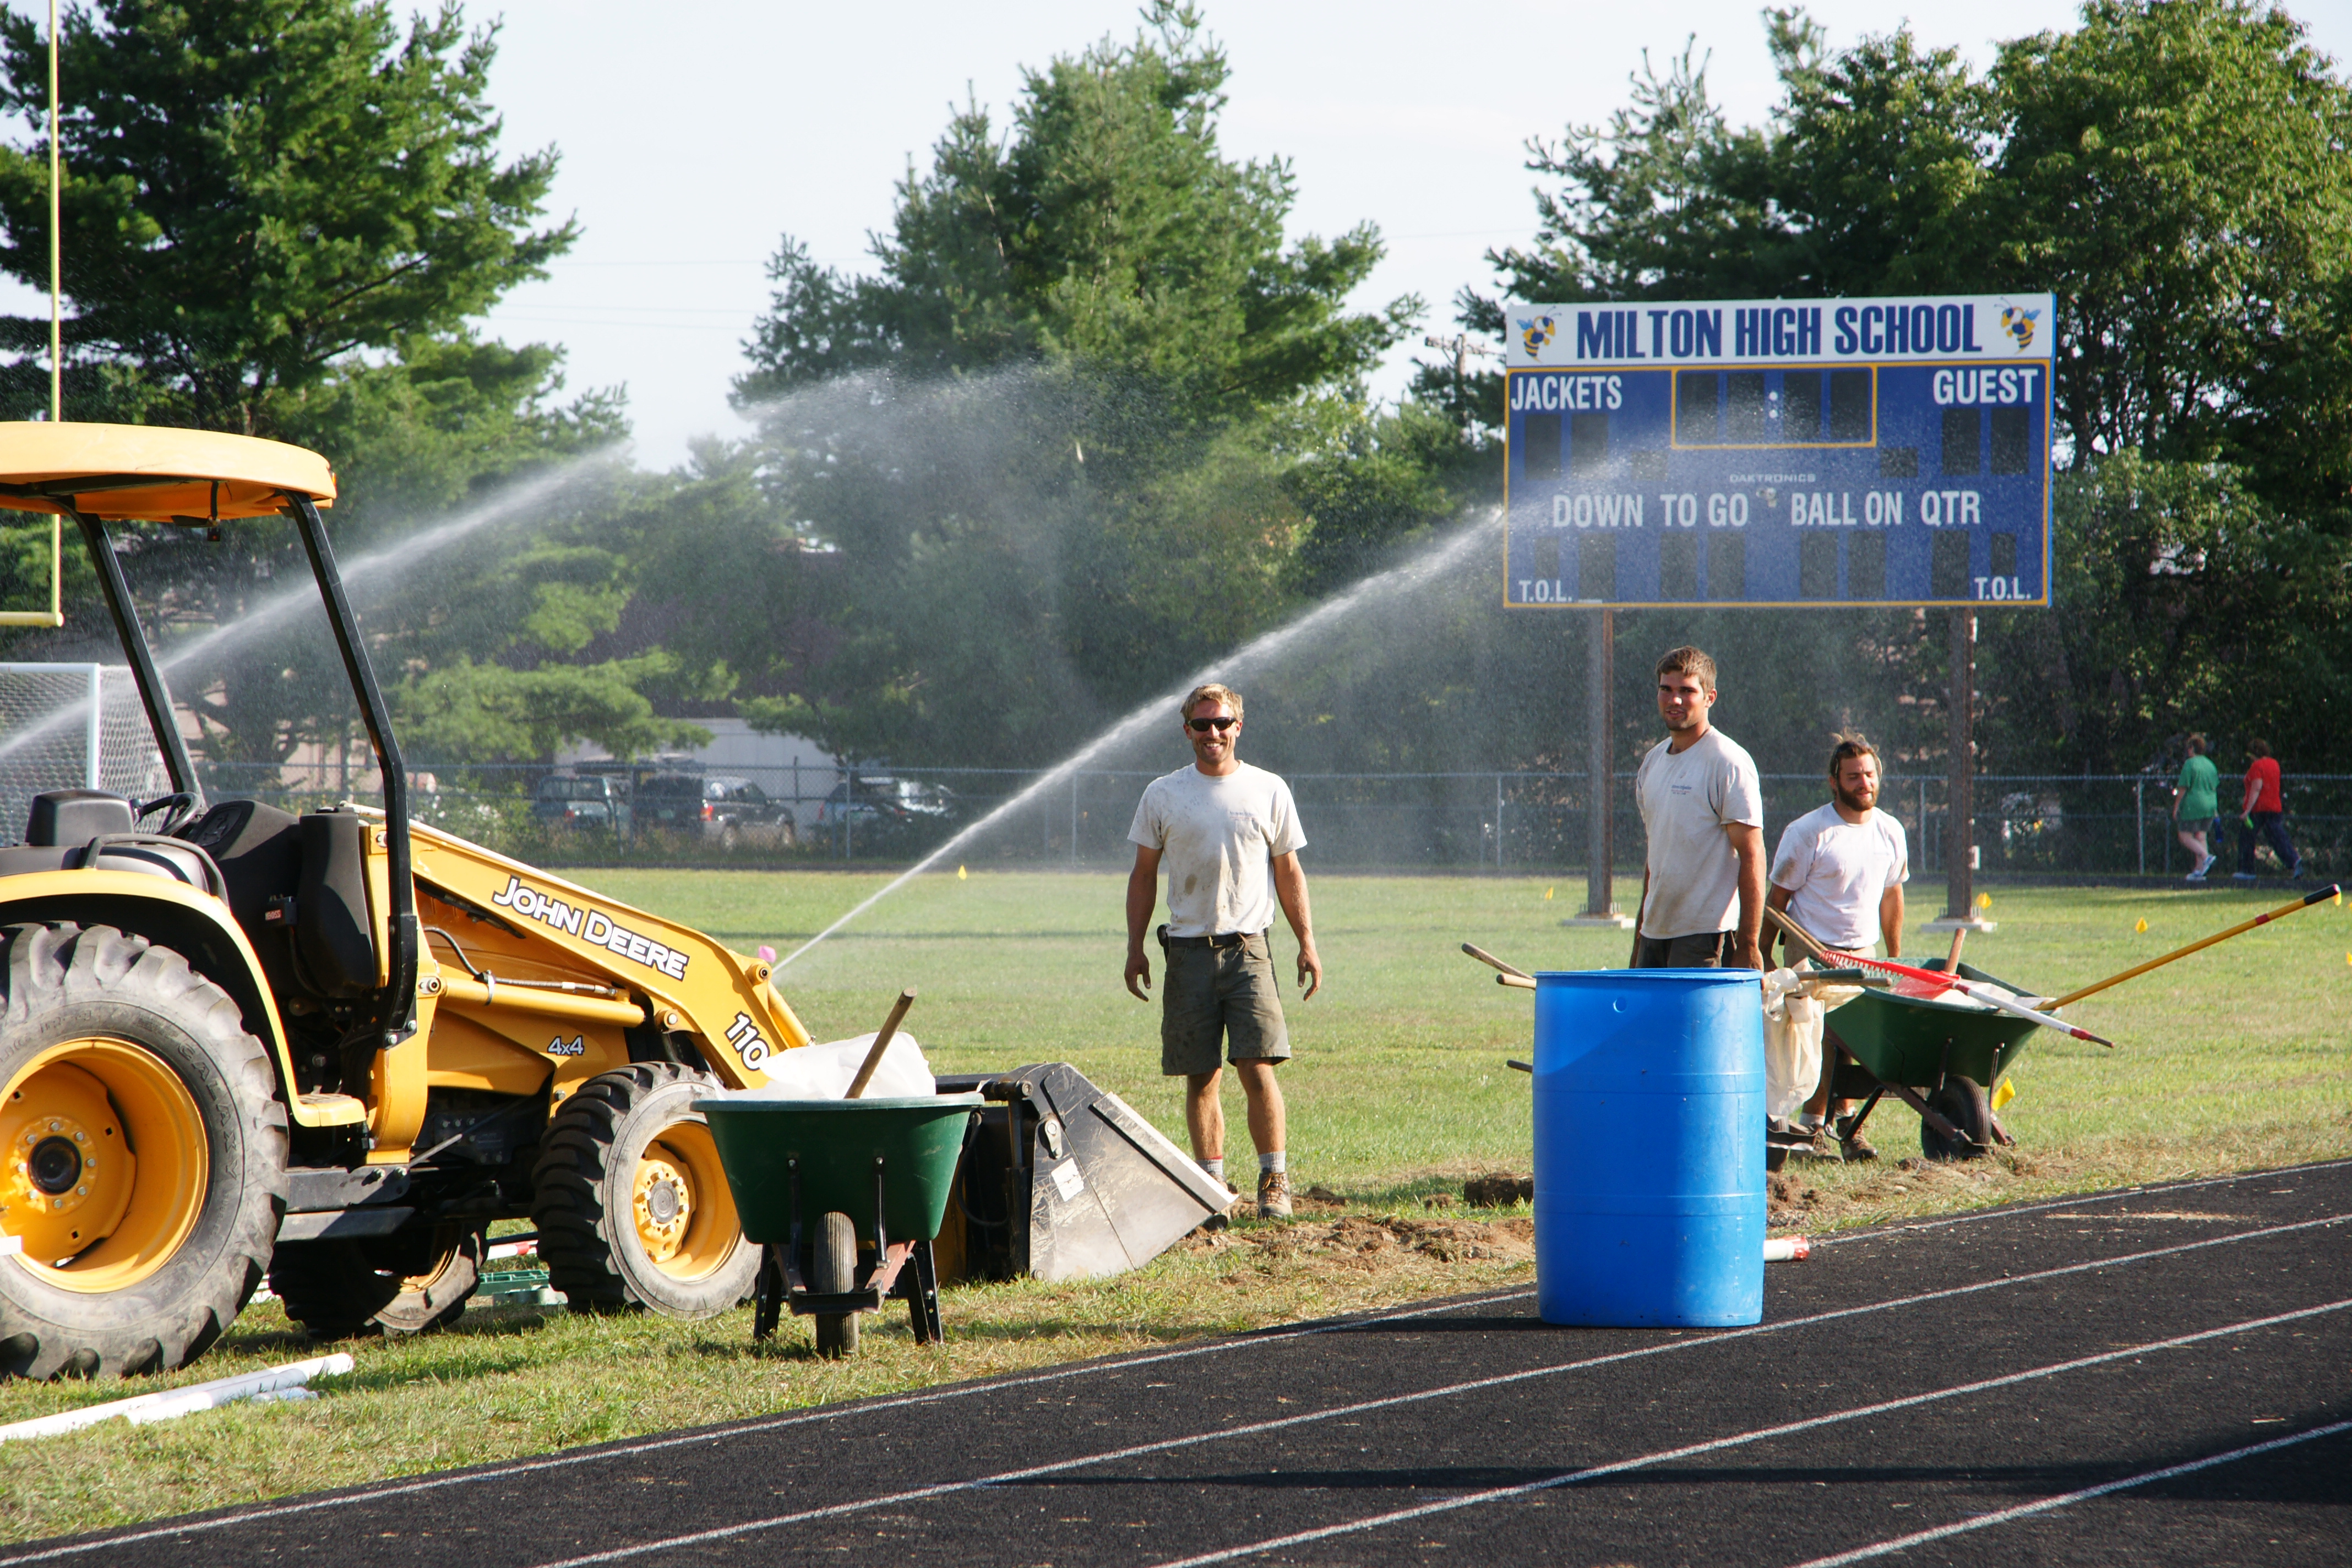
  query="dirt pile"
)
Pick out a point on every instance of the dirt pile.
point(1375, 1243)
point(1498, 1190)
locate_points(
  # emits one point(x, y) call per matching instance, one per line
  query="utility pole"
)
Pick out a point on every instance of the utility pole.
point(1960, 828)
point(1462, 350)
point(1600, 687)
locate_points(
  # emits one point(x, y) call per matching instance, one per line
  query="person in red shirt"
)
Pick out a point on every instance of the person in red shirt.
point(2262, 817)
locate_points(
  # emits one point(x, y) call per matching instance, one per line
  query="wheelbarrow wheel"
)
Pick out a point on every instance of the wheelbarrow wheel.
point(835, 1270)
point(1961, 1101)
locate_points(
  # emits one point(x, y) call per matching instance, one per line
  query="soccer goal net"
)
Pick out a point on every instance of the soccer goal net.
point(66, 726)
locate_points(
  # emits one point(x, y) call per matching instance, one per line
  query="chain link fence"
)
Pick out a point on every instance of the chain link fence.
point(2109, 825)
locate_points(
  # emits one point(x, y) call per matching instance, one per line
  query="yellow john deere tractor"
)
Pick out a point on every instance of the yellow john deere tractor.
point(327, 1049)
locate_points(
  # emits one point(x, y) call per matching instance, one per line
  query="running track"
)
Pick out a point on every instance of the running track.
point(2162, 1375)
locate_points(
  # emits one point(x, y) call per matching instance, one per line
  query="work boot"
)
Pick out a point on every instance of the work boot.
point(1273, 1194)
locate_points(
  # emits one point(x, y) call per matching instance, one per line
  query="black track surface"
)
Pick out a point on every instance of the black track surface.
point(1904, 1381)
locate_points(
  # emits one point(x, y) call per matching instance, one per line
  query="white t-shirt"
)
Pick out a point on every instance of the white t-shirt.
point(1838, 872)
point(1686, 801)
point(1217, 839)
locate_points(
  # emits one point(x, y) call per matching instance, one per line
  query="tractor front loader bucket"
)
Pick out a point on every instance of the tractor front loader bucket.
point(1064, 1181)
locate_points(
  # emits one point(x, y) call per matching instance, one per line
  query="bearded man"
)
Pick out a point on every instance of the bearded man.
point(1838, 873)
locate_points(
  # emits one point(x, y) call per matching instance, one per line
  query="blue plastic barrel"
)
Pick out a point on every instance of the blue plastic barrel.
point(1649, 1144)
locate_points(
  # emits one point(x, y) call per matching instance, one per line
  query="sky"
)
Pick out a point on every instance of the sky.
point(694, 135)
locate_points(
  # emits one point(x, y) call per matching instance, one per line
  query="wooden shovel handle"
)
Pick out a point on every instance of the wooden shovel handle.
point(881, 1042)
point(1797, 935)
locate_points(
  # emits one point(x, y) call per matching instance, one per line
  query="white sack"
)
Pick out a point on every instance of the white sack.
point(1792, 1037)
point(1792, 1054)
point(824, 1072)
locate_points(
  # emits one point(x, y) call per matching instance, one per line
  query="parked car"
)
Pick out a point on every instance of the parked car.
point(586, 800)
point(717, 808)
point(888, 804)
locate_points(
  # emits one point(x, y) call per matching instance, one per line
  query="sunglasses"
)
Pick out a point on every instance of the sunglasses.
point(1202, 726)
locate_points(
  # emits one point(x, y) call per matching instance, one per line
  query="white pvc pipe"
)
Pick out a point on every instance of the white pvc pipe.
point(275, 1382)
point(1788, 1249)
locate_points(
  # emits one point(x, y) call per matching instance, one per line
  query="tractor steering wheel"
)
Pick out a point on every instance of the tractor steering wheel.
point(183, 811)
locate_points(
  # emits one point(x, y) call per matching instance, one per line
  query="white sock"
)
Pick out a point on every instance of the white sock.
point(1215, 1167)
point(1277, 1161)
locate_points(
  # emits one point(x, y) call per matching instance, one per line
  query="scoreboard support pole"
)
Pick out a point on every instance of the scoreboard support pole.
point(1960, 828)
point(1600, 687)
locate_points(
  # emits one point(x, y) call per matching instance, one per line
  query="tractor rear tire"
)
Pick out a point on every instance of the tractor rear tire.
point(631, 1206)
point(834, 1269)
point(1960, 1102)
point(143, 1155)
point(390, 1285)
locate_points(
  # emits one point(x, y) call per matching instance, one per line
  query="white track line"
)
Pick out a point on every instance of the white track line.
point(928, 1396)
point(770, 1424)
point(1665, 1456)
point(1036, 1472)
point(1985, 1521)
point(1904, 1228)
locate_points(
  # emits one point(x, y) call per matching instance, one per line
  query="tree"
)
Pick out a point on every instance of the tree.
point(256, 190)
point(1106, 230)
point(279, 216)
point(1663, 202)
point(1370, 481)
point(2180, 173)
point(466, 713)
point(1040, 450)
point(1874, 167)
point(1657, 204)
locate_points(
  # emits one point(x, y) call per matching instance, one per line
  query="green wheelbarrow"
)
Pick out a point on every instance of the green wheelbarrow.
point(817, 1180)
point(1939, 1059)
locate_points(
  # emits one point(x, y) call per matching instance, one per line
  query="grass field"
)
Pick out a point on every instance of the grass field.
point(2233, 1055)
point(2234, 1058)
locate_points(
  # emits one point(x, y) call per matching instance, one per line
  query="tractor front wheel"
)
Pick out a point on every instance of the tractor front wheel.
point(391, 1285)
point(143, 1155)
point(632, 1205)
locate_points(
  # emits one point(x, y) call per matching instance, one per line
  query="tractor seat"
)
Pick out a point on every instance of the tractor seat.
point(62, 817)
point(67, 825)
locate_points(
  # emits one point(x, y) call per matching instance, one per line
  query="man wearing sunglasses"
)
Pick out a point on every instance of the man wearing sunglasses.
point(1229, 836)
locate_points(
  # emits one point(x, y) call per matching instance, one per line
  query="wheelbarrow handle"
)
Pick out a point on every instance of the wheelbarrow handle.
point(1483, 957)
point(2317, 895)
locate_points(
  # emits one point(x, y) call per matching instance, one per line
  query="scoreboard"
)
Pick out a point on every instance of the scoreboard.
point(1775, 452)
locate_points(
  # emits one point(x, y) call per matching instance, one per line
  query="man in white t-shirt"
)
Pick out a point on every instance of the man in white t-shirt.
point(1838, 873)
point(1703, 810)
point(1228, 834)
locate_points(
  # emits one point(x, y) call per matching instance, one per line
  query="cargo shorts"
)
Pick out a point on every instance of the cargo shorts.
point(1211, 995)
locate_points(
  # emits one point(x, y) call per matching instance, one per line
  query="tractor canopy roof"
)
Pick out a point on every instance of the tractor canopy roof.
point(150, 473)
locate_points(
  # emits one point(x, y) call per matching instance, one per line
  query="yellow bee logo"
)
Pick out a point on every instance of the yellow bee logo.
point(1535, 333)
point(2019, 325)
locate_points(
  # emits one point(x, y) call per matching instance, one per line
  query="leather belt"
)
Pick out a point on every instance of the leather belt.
point(1226, 939)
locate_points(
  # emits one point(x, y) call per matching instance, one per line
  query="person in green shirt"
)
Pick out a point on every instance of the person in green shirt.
point(2195, 801)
